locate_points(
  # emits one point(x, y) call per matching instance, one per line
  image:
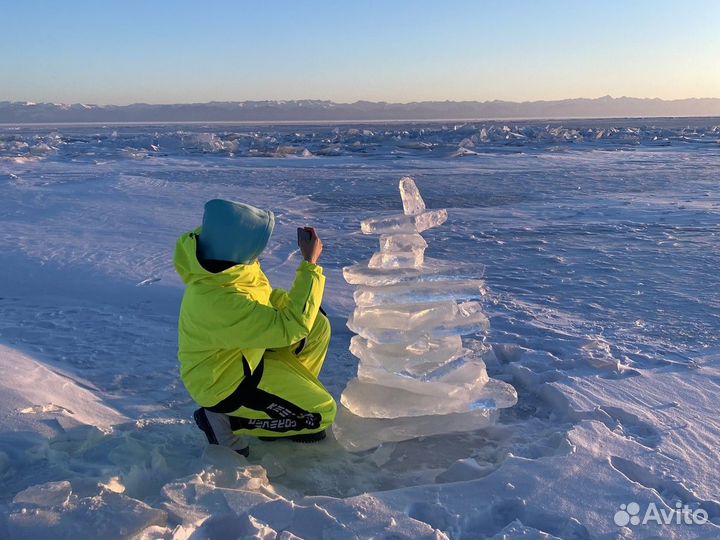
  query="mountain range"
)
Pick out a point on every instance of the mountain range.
point(15, 112)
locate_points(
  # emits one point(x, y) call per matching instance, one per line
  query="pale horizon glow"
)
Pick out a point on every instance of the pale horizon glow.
point(187, 52)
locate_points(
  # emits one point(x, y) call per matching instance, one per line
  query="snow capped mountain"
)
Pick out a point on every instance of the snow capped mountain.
point(323, 110)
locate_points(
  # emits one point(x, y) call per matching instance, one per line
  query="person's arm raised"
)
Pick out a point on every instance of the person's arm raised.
point(310, 244)
point(246, 324)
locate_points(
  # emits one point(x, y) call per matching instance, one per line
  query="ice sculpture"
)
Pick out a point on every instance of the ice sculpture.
point(415, 377)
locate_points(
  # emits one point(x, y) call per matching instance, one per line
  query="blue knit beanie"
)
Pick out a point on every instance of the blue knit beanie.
point(235, 232)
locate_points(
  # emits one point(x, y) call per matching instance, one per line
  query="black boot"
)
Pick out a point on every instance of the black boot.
point(221, 424)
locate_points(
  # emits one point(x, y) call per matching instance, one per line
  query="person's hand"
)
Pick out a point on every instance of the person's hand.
point(310, 244)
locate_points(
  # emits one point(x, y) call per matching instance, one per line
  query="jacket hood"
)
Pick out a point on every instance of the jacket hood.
point(191, 271)
point(234, 231)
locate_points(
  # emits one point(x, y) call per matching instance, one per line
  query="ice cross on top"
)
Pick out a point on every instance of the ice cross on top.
point(415, 219)
point(413, 203)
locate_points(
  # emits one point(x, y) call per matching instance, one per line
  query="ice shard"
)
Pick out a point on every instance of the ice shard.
point(415, 377)
point(464, 289)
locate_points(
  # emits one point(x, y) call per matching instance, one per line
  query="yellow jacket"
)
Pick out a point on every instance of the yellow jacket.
point(236, 313)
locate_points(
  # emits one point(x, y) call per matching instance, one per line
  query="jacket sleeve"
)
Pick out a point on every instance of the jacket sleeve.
point(245, 324)
point(279, 298)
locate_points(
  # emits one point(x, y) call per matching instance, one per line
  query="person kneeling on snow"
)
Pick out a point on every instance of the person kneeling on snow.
point(250, 355)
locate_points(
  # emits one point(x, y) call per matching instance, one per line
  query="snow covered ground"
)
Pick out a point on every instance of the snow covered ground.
point(600, 242)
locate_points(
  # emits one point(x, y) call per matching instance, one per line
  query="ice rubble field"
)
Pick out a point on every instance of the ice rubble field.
point(599, 242)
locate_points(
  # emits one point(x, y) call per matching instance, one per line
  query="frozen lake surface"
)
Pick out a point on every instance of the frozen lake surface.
point(599, 241)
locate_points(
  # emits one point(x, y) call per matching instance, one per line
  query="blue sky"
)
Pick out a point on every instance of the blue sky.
point(169, 51)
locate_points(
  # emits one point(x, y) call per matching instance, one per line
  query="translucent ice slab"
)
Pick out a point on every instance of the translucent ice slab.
point(463, 376)
point(390, 259)
point(470, 320)
point(383, 325)
point(496, 393)
point(431, 270)
point(402, 242)
point(415, 359)
point(401, 223)
point(378, 401)
point(384, 336)
point(409, 193)
point(406, 317)
point(426, 291)
point(356, 433)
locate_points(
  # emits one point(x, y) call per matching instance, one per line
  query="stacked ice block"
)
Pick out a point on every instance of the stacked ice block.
point(415, 377)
